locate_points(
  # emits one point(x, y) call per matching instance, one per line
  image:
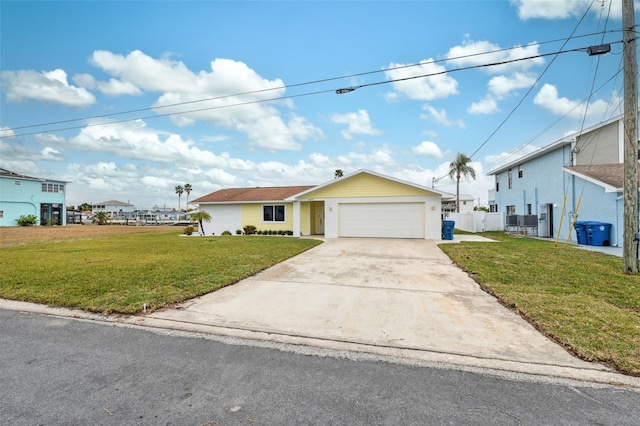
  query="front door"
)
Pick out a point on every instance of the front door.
point(320, 218)
point(545, 221)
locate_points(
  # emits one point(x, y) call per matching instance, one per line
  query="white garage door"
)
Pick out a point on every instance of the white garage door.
point(381, 220)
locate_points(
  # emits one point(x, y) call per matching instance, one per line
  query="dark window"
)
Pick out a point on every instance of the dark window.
point(519, 171)
point(511, 210)
point(273, 213)
point(509, 179)
point(528, 208)
point(497, 183)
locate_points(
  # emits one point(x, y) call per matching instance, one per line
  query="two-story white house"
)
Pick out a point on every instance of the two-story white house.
point(466, 204)
point(22, 195)
point(582, 171)
point(113, 208)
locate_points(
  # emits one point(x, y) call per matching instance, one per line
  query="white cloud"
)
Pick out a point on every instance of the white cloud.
point(549, 99)
point(135, 140)
point(500, 87)
point(20, 152)
point(488, 105)
point(238, 97)
point(115, 87)
point(474, 53)
point(383, 158)
point(84, 80)
point(440, 117)
point(320, 160)
point(532, 9)
point(7, 133)
point(439, 85)
point(429, 149)
point(216, 138)
point(358, 123)
point(51, 154)
point(432, 134)
point(50, 87)
point(497, 160)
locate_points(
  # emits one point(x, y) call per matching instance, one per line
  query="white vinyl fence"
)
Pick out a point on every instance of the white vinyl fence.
point(477, 221)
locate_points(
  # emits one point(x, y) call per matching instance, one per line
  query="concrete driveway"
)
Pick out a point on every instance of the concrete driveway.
point(396, 297)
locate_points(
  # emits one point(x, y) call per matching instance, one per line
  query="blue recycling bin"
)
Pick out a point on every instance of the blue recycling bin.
point(581, 232)
point(598, 233)
point(447, 229)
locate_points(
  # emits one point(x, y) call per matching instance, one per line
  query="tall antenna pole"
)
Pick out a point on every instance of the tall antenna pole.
point(630, 189)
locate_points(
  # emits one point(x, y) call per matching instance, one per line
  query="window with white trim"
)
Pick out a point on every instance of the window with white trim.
point(52, 187)
point(273, 213)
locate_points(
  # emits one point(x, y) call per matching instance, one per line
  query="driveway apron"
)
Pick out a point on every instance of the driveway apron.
point(380, 293)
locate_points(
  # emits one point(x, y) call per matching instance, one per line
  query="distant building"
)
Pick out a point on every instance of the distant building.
point(466, 204)
point(22, 195)
point(113, 208)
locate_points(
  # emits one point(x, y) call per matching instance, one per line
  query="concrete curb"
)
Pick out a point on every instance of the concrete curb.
point(596, 375)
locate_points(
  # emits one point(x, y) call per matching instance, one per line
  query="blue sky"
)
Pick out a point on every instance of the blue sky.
point(254, 84)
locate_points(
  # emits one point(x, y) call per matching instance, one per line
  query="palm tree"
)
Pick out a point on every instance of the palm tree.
point(200, 216)
point(338, 174)
point(460, 167)
point(179, 191)
point(100, 217)
point(188, 189)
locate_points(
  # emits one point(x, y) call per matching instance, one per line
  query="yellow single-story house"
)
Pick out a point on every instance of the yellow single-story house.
point(361, 204)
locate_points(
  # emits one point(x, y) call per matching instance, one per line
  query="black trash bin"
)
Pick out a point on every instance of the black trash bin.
point(447, 229)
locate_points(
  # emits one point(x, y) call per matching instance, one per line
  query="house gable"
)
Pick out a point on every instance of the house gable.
point(365, 184)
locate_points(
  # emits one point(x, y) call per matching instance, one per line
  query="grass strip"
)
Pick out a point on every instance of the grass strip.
point(581, 299)
point(121, 273)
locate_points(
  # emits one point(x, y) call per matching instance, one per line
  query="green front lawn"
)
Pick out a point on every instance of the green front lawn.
point(579, 298)
point(122, 273)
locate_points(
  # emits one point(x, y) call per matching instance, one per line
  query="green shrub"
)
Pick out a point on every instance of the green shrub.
point(189, 230)
point(226, 233)
point(27, 220)
point(238, 231)
point(289, 232)
point(249, 230)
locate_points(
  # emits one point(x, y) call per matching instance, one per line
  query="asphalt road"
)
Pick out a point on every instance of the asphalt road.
point(61, 371)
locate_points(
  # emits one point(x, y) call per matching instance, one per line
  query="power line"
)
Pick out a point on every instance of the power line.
point(531, 140)
point(302, 84)
point(288, 97)
point(513, 110)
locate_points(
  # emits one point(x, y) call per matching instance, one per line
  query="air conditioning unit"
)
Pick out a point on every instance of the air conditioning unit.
point(512, 220)
point(528, 220)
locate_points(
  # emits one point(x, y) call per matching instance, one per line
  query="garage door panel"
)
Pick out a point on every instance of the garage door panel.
point(381, 220)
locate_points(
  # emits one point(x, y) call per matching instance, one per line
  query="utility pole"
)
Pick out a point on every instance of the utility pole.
point(630, 189)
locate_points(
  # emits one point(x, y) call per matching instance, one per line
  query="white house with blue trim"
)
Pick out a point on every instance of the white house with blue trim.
point(22, 195)
point(582, 171)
